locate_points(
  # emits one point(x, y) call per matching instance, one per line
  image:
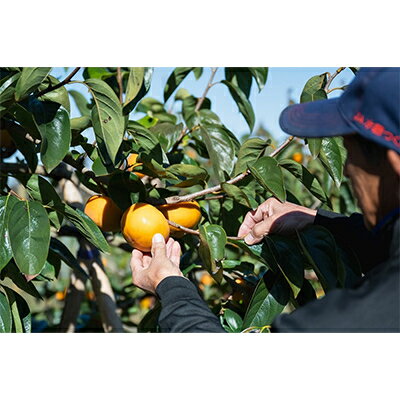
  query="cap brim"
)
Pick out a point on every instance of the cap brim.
point(320, 118)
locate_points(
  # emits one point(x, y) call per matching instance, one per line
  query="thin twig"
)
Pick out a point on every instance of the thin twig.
point(220, 196)
point(217, 188)
point(337, 88)
point(119, 80)
point(196, 232)
point(209, 85)
point(199, 103)
point(183, 228)
point(16, 195)
point(62, 83)
point(332, 77)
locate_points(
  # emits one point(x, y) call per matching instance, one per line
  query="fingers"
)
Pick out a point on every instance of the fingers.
point(252, 218)
point(136, 260)
point(257, 234)
point(175, 256)
point(169, 245)
point(158, 248)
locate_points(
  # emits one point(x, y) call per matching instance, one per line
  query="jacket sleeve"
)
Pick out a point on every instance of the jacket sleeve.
point(351, 233)
point(183, 310)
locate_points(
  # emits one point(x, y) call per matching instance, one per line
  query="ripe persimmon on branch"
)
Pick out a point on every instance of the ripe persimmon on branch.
point(217, 188)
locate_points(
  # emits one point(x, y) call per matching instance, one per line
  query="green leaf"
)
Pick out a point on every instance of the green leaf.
point(288, 260)
point(30, 80)
point(124, 184)
point(41, 190)
point(20, 311)
point(81, 102)
point(56, 139)
point(268, 174)
point(175, 79)
point(85, 226)
point(149, 322)
point(314, 89)
point(236, 193)
point(333, 156)
point(97, 73)
point(54, 126)
point(198, 71)
point(59, 95)
point(309, 181)
point(269, 299)
point(260, 74)
point(80, 124)
point(144, 88)
point(29, 230)
point(249, 152)
point(6, 204)
point(242, 102)
point(233, 320)
point(212, 248)
point(12, 272)
point(51, 268)
point(108, 121)
point(189, 104)
point(240, 77)
point(192, 172)
point(5, 314)
point(25, 146)
point(314, 144)
point(220, 149)
point(25, 119)
point(142, 136)
point(58, 249)
point(135, 82)
point(320, 249)
point(181, 94)
point(167, 134)
point(147, 121)
point(7, 91)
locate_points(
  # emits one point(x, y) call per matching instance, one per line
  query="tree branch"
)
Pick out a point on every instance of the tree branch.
point(217, 188)
point(64, 82)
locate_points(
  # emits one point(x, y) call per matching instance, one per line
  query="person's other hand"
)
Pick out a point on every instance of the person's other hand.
point(272, 216)
point(149, 269)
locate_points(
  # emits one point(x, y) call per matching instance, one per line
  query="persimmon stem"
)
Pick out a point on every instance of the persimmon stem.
point(62, 83)
point(217, 188)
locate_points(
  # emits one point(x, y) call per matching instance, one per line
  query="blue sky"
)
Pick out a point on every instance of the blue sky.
point(267, 105)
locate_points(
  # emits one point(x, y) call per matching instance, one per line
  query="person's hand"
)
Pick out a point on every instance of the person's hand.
point(148, 270)
point(272, 216)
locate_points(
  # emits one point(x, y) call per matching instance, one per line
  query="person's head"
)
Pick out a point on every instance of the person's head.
point(367, 115)
point(374, 172)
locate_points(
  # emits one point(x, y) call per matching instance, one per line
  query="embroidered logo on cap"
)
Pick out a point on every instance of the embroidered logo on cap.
point(377, 129)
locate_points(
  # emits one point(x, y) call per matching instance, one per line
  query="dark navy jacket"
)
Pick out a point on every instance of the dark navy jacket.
point(373, 305)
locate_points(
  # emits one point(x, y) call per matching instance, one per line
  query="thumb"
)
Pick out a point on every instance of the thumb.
point(158, 248)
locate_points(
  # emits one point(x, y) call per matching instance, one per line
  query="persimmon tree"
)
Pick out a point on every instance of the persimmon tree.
point(185, 155)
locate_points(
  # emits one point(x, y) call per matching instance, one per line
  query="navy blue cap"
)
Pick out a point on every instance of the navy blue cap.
point(370, 106)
